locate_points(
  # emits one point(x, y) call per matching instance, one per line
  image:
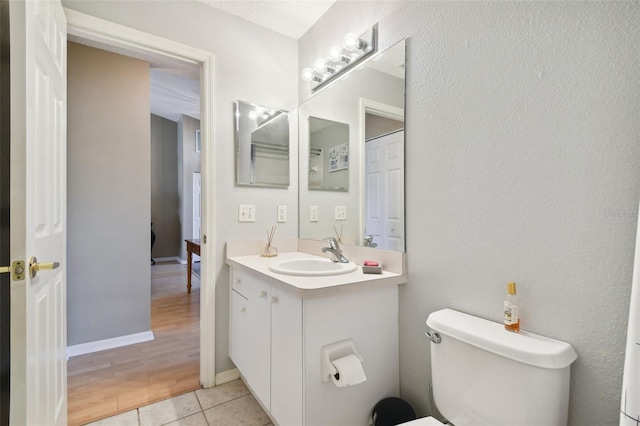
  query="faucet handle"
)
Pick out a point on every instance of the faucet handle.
point(332, 242)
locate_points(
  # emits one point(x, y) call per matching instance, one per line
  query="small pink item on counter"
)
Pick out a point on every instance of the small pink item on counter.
point(370, 263)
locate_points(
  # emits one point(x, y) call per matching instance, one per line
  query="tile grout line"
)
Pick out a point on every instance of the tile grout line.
point(201, 408)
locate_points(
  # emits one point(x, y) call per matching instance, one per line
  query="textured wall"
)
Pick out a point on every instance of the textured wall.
point(522, 158)
point(251, 64)
point(108, 169)
point(164, 187)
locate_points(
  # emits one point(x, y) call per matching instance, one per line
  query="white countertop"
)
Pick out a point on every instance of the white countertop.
point(312, 287)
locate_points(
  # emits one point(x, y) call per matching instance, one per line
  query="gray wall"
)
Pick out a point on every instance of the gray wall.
point(188, 163)
point(165, 204)
point(522, 160)
point(108, 172)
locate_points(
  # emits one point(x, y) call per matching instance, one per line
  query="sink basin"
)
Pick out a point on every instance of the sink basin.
point(312, 267)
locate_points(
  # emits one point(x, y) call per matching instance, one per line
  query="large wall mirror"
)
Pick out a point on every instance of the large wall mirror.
point(262, 145)
point(351, 137)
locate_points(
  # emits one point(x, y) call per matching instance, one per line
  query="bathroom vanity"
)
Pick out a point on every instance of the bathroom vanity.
point(280, 323)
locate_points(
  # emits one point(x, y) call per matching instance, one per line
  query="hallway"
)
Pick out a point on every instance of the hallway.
point(109, 382)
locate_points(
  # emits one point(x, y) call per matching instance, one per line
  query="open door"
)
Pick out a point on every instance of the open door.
point(39, 232)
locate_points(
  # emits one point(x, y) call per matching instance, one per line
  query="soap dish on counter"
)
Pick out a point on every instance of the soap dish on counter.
point(371, 269)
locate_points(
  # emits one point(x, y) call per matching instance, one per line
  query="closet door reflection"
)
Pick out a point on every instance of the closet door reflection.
point(384, 192)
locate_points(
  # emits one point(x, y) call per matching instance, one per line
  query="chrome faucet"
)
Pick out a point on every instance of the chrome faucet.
point(335, 250)
point(368, 241)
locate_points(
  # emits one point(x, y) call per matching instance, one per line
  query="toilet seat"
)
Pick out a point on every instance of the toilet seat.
point(423, 421)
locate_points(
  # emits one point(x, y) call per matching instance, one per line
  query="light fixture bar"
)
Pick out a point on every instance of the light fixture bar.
point(367, 43)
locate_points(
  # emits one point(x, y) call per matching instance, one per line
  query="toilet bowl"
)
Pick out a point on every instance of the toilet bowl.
point(483, 374)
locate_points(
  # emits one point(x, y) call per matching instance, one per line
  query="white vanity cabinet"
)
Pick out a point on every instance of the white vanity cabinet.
point(266, 344)
point(277, 332)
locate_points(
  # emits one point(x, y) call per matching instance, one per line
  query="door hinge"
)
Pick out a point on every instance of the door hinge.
point(16, 269)
point(204, 239)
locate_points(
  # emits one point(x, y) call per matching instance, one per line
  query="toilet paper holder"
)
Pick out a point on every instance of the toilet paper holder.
point(334, 351)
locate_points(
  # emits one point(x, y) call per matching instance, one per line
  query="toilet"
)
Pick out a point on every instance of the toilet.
point(483, 374)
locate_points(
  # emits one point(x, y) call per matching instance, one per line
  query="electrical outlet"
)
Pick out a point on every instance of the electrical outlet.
point(341, 212)
point(313, 213)
point(282, 214)
point(246, 213)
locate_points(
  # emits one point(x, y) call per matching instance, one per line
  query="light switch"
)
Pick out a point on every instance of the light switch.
point(282, 214)
point(341, 213)
point(246, 213)
point(313, 213)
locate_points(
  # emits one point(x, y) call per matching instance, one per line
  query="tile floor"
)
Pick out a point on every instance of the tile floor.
point(229, 404)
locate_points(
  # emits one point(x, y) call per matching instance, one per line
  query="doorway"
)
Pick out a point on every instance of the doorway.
point(112, 35)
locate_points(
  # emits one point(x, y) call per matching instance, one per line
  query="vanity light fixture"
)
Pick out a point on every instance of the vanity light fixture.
point(342, 59)
point(262, 115)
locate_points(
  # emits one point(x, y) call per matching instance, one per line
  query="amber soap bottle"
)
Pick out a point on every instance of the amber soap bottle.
point(511, 314)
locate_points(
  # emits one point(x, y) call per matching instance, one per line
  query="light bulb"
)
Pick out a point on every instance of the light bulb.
point(307, 74)
point(351, 41)
point(252, 115)
point(335, 53)
point(320, 65)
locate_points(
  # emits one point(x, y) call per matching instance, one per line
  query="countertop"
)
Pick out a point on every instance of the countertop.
point(312, 287)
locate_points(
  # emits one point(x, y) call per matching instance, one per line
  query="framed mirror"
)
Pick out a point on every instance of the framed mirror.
point(262, 145)
point(366, 106)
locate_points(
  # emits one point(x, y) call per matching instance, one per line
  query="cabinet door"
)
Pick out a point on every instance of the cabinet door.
point(252, 333)
point(286, 358)
point(239, 331)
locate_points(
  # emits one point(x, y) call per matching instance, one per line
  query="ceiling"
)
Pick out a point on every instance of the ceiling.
point(175, 86)
point(291, 18)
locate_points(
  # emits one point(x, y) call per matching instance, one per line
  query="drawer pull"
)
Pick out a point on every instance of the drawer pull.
point(243, 309)
point(263, 294)
point(274, 299)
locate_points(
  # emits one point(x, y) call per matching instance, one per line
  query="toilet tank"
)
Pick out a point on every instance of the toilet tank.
point(485, 375)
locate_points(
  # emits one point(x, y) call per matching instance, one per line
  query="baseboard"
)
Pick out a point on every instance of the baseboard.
point(116, 342)
point(227, 376)
point(167, 259)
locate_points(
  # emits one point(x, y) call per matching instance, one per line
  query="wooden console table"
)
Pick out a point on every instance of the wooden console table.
point(193, 246)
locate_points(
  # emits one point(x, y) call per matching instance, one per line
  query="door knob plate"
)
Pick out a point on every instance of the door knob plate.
point(35, 267)
point(16, 269)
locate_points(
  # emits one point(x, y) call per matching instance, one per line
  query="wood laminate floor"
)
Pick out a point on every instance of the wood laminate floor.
point(109, 382)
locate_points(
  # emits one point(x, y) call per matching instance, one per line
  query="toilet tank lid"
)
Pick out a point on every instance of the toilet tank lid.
point(524, 347)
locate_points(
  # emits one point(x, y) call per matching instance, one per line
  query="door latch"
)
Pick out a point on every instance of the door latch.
point(16, 269)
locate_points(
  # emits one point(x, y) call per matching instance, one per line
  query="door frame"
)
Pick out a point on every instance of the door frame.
point(5, 205)
point(109, 33)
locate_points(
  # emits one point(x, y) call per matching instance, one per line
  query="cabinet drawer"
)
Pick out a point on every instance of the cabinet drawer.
point(247, 285)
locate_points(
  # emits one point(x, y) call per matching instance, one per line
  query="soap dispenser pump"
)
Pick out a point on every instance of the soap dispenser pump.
point(511, 309)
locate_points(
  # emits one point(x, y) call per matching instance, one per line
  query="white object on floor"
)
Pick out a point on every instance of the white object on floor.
point(424, 421)
point(630, 401)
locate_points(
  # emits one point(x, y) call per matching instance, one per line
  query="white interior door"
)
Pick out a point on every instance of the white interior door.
point(46, 62)
point(384, 191)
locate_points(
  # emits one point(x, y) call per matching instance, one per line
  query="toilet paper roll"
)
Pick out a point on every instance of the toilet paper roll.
point(349, 371)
